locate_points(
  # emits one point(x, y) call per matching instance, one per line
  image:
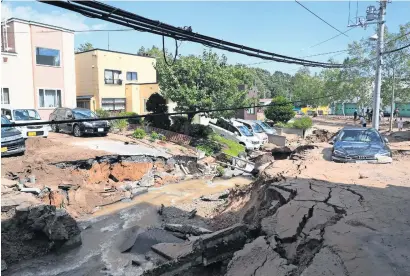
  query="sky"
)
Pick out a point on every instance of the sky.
point(282, 27)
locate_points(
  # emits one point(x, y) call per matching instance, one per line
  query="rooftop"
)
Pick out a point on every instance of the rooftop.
point(110, 51)
point(13, 19)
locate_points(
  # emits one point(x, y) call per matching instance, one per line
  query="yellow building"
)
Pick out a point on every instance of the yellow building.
point(114, 81)
point(321, 110)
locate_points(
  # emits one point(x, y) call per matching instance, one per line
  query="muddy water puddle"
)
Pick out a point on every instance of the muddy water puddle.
point(178, 193)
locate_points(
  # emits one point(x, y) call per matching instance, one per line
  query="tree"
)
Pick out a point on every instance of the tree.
point(84, 47)
point(281, 110)
point(158, 105)
point(200, 83)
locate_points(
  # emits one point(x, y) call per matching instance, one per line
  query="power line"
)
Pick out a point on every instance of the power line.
point(108, 13)
point(396, 50)
point(327, 23)
point(164, 114)
point(333, 37)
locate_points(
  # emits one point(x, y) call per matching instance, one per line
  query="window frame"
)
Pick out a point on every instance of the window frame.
point(117, 81)
point(124, 103)
point(2, 95)
point(131, 79)
point(55, 90)
point(59, 57)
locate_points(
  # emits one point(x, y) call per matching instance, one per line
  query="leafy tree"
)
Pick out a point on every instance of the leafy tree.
point(84, 47)
point(158, 105)
point(280, 111)
point(201, 82)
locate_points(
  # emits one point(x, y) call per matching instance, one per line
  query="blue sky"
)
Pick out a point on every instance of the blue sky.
point(280, 27)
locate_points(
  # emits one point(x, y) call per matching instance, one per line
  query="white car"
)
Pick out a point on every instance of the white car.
point(26, 115)
point(237, 132)
point(255, 129)
point(266, 128)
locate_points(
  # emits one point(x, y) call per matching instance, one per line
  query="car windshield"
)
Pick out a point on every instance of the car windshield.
point(26, 115)
point(83, 114)
point(256, 128)
point(364, 136)
point(245, 131)
point(4, 120)
point(265, 125)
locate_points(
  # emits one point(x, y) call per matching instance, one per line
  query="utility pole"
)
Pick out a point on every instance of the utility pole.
point(378, 80)
point(392, 104)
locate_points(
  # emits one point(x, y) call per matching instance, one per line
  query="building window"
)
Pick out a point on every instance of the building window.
point(113, 104)
point(132, 76)
point(45, 56)
point(5, 96)
point(112, 77)
point(49, 98)
point(83, 104)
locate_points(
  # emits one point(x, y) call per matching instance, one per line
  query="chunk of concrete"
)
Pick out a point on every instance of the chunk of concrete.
point(322, 215)
point(258, 258)
point(173, 251)
point(187, 229)
point(287, 222)
point(325, 263)
point(35, 191)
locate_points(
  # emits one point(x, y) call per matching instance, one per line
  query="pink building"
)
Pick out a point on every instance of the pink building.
point(37, 66)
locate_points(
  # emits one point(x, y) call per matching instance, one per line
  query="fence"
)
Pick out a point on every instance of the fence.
point(170, 135)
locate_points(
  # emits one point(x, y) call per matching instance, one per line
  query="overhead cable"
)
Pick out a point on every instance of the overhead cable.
point(108, 13)
point(396, 50)
point(327, 23)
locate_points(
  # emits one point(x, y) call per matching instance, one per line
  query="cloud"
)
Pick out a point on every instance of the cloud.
point(64, 19)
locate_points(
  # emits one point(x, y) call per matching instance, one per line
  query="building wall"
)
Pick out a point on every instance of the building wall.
point(124, 63)
point(69, 70)
point(145, 91)
point(17, 70)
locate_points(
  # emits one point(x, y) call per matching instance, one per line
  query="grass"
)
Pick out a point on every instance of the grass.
point(230, 147)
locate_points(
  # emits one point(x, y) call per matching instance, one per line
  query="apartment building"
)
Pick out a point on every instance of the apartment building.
point(114, 81)
point(37, 69)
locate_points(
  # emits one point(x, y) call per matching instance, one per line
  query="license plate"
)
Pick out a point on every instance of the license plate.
point(100, 130)
point(3, 149)
point(32, 133)
point(362, 161)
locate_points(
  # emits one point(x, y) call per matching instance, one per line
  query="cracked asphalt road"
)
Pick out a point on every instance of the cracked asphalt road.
point(334, 219)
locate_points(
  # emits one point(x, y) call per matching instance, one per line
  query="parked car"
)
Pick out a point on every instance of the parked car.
point(78, 129)
point(360, 145)
point(26, 115)
point(255, 129)
point(12, 141)
point(386, 113)
point(237, 132)
point(266, 128)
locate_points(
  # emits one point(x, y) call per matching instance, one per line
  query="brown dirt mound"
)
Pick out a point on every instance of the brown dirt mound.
point(320, 136)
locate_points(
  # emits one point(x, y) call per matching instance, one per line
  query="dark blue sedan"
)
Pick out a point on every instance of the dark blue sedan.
point(360, 145)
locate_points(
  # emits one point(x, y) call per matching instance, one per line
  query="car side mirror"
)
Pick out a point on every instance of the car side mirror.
point(70, 116)
point(332, 141)
point(236, 133)
point(386, 140)
point(8, 117)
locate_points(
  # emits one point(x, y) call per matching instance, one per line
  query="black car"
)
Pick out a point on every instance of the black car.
point(12, 142)
point(78, 129)
point(360, 145)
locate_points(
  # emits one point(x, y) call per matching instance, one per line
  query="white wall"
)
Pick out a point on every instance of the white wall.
point(69, 70)
point(17, 72)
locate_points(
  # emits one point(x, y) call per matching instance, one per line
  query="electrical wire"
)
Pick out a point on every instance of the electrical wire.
point(164, 52)
point(105, 12)
point(396, 50)
point(164, 114)
point(327, 23)
point(333, 37)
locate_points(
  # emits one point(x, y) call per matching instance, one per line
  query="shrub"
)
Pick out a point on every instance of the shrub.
point(139, 133)
point(136, 121)
point(280, 111)
point(303, 123)
point(231, 147)
point(197, 130)
point(102, 113)
point(154, 136)
point(158, 105)
point(220, 170)
point(178, 124)
point(162, 137)
point(120, 124)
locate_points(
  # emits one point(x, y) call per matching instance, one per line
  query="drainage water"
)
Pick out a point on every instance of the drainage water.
point(117, 225)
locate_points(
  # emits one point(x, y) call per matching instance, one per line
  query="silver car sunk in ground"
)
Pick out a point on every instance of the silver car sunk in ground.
point(360, 145)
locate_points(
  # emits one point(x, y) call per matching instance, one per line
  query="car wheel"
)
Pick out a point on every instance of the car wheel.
point(77, 131)
point(54, 128)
